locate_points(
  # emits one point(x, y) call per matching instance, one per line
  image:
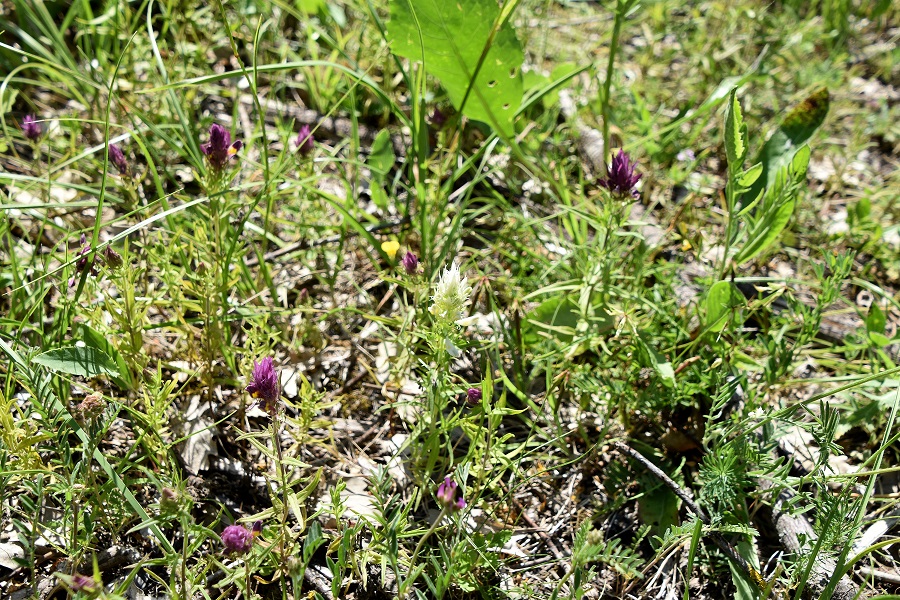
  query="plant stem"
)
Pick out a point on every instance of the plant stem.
point(282, 478)
point(621, 7)
point(415, 555)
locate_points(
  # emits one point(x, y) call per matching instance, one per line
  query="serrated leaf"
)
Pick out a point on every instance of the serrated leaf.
point(450, 37)
point(83, 361)
point(735, 134)
point(795, 130)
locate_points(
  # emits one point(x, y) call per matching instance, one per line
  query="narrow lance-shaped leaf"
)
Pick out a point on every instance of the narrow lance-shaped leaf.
point(78, 360)
point(776, 209)
point(735, 134)
point(450, 38)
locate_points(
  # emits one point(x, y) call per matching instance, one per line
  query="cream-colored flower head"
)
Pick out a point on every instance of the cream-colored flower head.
point(451, 295)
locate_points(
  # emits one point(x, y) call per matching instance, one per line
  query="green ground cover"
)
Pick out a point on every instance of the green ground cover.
point(419, 299)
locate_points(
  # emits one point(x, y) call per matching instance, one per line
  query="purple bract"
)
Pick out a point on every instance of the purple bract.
point(264, 384)
point(622, 180)
point(446, 495)
point(219, 149)
point(31, 129)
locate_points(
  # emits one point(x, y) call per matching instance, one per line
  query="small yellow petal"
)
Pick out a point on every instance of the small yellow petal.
point(390, 248)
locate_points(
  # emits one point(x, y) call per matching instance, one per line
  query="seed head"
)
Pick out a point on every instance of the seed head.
point(90, 408)
point(621, 178)
point(113, 259)
point(264, 384)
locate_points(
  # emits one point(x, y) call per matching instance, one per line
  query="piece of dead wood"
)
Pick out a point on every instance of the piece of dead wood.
point(791, 529)
point(882, 575)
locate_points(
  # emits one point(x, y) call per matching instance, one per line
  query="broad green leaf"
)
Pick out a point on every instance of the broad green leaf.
point(795, 130)
point(875, 320)
point(95, 339)
point(78, 360)
point(776, 209)
point(310, 7)
point(879, 339)
point(379, 196)
point(721, 301)
point(657, 506)
point(557, 318)
point(735, 134)
point(450, 38)
point(381, 157)
point(750, 176)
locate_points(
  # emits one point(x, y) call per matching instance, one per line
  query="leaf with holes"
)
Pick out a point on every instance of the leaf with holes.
point(480, 67)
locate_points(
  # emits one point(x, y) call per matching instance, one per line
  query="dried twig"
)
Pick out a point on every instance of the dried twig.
point(749, 572)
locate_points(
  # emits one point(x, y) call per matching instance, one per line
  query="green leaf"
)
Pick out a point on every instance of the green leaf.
point(879, 339)
point(722, 299)
point(381, 158)
point(379, 196)
point(875, 320)
point(556, 317)
point(95, 339)
point(744, 590)
point(795, 130)
point(735, 134)
point(776, 209)
point(658, 506)
point(750, 176)
point(78, 360)
point(450, 38)
point(310, 7)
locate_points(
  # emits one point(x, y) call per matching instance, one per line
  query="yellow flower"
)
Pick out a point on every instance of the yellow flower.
point(390, 248)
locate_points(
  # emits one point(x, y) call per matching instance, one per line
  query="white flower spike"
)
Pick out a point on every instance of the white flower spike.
point(451, 295)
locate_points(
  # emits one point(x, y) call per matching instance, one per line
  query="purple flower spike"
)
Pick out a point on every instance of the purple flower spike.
point(219, 149)
point(621, 179)
point(31, 129)
point(410, 263)
point(83, 583)
point(237, 539)
point(117, 158)
point(446, 495)
point(305, 140)
point(473, 395)
point(264, 385)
